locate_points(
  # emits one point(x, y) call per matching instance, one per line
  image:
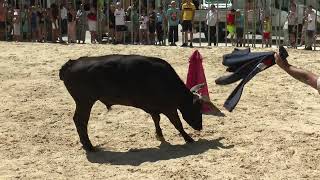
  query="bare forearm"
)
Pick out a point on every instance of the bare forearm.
point(302, 75)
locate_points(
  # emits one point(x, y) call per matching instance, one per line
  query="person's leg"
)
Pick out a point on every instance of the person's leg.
point(171, 35)
point(176, 36)
point(191, 34)
point(214, 38)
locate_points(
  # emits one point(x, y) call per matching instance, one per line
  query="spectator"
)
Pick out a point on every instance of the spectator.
point(311, 28)
point(188, 11)
point(239, 22)
point(55, 23)
point(119, 22)
point(34, 24)
point(304, 27)
point(81, 24)
point(112, 22)
point(152, 25)
point(9, 22)
point(64, 19)
point(212, 18)
point(231, 24)
point(133, 13)
point(173, 21)
point(267, 31)
point(41, 23)
point(159, 25)
point(92, 24)
point(143, 28)
point(292, 23)
point(25, 21)
point(3, 12)
point(71, 24)
point(16, 25)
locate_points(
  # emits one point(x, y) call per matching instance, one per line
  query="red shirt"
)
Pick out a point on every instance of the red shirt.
point(230, 19)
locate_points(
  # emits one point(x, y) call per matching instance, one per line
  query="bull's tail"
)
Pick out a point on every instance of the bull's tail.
point(64, 68)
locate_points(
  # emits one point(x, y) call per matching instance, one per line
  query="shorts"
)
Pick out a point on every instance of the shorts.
point(186, 26)
point(121, 28)
point(239, 32)
point(152, 28)
point(231, 29)
point(55, 25)
point(266, 35)
point(318, 84)
point(92, 25)
point(2, 25)
point(292, 29)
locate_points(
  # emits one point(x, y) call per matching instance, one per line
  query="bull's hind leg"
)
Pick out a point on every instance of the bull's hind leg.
point(81, 118)
point(156, 120)
point(175, 120)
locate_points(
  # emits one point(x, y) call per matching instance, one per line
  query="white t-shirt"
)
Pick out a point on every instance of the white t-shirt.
point(143, 22)
point(119, 15)
point(311, 21)
point(64, 13)
point(212, 17)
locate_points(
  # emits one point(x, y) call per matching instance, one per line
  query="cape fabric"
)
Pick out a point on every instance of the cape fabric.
point(197, 76)
point(244, 65)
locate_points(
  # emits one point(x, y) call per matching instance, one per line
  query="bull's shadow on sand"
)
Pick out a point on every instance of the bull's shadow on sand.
point(165, 151)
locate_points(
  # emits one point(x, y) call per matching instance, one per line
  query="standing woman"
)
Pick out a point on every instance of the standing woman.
point(71, 16)
point(81, 24)
point(55, 22)
point(92, 24)
point(42, 28)
point(25, 20)
point(34, 24)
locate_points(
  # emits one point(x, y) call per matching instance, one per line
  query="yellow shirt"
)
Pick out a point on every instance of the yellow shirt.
point(267, 26)
point(188, 11)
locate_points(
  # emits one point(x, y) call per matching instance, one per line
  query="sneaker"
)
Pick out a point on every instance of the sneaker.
point(184, 45)
point(191, 45)
point(308, 48)
point(174, 44)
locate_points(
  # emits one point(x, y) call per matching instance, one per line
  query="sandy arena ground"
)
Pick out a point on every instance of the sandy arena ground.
point(274, 132)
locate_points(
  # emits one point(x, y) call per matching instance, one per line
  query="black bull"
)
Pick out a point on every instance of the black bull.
point(148, 83)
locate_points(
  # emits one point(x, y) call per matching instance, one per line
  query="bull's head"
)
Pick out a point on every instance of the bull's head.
point(204, 100)
point(193, 116)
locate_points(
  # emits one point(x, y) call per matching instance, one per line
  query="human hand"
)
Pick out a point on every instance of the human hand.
point(282, 63)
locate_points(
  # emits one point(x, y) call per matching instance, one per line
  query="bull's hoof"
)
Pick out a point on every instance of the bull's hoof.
point(89, 148)
point(188, 139)
point(160, 138)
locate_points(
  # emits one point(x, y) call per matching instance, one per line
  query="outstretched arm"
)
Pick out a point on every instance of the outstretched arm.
point(300, 74)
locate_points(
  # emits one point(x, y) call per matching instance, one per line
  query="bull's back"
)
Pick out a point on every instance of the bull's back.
point(134, 79)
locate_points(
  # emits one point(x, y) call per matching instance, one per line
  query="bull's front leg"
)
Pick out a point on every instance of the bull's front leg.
point(175, 120)
point(81, 118)
point(156, 120)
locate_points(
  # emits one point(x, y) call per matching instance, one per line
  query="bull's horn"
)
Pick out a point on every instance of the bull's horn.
point(214, 110)
point(196, 88)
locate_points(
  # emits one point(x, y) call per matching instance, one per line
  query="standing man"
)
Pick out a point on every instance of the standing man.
point(64, 21)
point(3, 12)
point(119, 15)
point(302, 75)
point(188, 11)
point(292, 23)
point(173, 21)
point(212, 17)
point(311, 28)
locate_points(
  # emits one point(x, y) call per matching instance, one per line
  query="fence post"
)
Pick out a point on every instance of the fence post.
point(217, 24)
point(226, 30)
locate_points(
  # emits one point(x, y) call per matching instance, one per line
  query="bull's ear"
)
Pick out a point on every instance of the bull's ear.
point(196, 97)
point(196, 88)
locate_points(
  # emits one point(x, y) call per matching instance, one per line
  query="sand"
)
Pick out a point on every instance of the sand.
point(274, 132)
